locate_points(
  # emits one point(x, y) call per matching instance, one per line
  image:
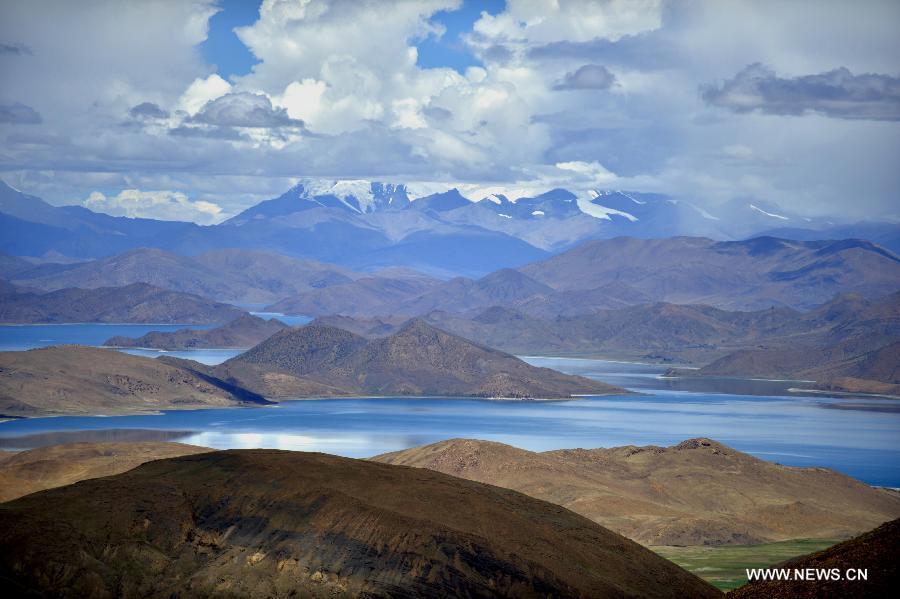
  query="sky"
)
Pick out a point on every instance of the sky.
point(194, 110)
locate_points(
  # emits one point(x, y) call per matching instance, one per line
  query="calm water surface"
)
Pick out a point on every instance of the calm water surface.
point(860, 437)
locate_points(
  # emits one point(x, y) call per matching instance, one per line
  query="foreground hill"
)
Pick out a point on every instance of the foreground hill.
point(416, 360)
point(137, 302)
point(746, 275)
point(875, 552)
point(699, 492)
point(277, 524)
point(73, 379)
point(58, 465)
point(244, 331)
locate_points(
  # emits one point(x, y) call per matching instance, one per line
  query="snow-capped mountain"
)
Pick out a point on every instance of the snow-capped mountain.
point(369, 224)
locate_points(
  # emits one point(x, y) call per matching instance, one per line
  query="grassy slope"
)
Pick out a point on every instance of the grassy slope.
point(724, 566)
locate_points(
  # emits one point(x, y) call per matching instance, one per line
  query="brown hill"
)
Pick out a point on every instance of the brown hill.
point(752, 274)
point(833, 368)
point(137, 302)
point(366, 295)
point(232, 275)
point(278, 524)
point(244, 331)
point(667, 332)
point(417, 360)
point(57, 465)
point(73, 379)
point(699, 492)
point(875, 552)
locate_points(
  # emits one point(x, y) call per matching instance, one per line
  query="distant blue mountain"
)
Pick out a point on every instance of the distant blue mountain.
point(365, 225)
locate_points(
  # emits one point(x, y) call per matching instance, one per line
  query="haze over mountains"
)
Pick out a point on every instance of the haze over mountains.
point(367, 225)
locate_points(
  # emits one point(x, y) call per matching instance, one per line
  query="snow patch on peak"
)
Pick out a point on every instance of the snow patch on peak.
point(493, 198)
point(590, 208)
point(703, 212)
point(633, 199)
point(768, 213)
point(342, 189)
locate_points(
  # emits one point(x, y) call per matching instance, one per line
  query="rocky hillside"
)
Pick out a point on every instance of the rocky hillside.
point(244, 331)
point(746, 275)
point(875, 552)
point(73, 379)
point(58, 465)
point(137, 302)
point(279, 524)
point(699, 492)
point(417, 360)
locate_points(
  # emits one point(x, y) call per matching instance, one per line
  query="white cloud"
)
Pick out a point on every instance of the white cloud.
point(201, 91)
point(545, 21)
point(162, 205)
point(347, 68)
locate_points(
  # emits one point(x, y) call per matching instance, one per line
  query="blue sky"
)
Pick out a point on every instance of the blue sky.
point(223, 49)
point(223, 104)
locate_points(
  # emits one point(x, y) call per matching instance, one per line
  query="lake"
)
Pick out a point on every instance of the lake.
point(860, 437)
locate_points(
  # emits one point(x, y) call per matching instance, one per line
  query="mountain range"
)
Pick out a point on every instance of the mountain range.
point(745, 275)
point(224, 275)
point(136, 302)
point(282, 524)
point(370, 225)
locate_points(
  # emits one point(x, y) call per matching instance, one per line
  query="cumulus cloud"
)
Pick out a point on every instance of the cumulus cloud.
point(589, 76)
point(243, 109)
point(19, 114)
point(201, 91)
point(349, 70)
point(148, 110)
point(837, 94)
point(538, 23)
point(161, 205)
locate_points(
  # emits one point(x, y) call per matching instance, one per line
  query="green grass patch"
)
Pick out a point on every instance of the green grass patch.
point(725, 566)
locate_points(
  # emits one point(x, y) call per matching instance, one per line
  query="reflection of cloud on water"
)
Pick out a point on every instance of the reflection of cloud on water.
point(346, 445)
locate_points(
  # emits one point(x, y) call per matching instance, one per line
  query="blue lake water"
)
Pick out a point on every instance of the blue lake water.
point(857, 436)
point(28, 336)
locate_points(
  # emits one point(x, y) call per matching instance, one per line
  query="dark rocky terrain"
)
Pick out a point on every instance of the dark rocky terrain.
point(72, 379)
point(416, 360)
point(244, 331)
point(698, 492)
point(874, 551)
point(58, 465)
point(278, 524)
point(137, 302)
